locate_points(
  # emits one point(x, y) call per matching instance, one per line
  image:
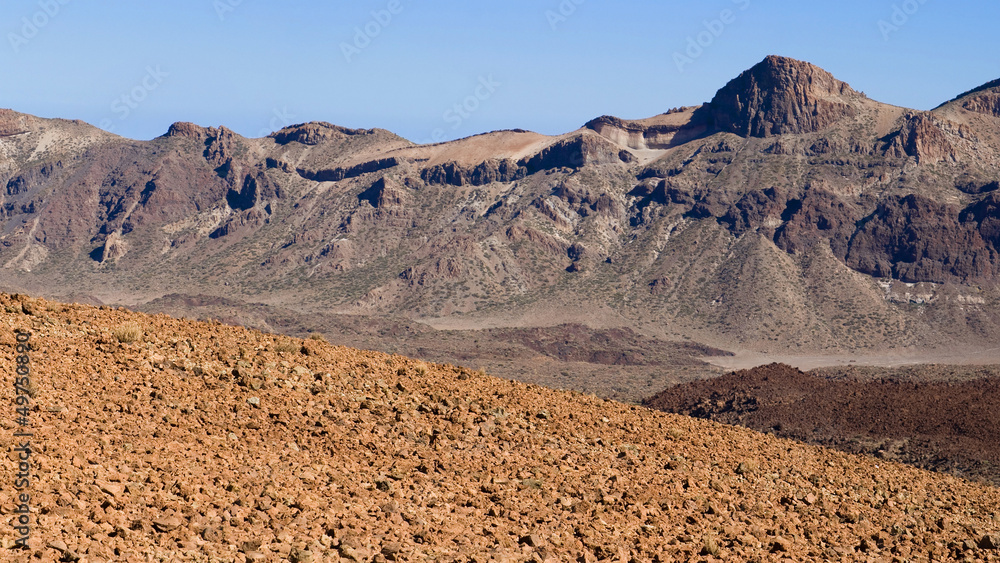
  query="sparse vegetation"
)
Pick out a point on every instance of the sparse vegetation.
point(128, 333)
point(286, 345)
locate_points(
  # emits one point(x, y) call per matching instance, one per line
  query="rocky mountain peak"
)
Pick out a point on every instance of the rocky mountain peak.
point(314, 133)
point(779, 96)
point(186, 129)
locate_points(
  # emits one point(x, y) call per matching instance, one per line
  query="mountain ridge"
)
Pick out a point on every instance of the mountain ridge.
point(789, 213)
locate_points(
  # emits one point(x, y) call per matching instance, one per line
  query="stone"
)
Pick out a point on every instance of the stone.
point(531, 540)
point(990, 541)
point(113, 489)
point(299, 555)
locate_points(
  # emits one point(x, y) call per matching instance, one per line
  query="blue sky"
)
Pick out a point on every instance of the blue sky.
point(448, 69)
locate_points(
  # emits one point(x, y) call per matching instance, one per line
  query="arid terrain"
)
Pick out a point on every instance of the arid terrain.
point(512, 287)
point(790, 215)
point(940, 417)
point(615, 363)
point(158, 439)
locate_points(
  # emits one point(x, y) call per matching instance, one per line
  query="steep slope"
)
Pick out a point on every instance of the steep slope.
point(180, 441)
point(782, 96)
point(716, 222)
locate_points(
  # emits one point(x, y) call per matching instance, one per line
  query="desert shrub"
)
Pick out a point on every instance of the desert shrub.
point(286, 346)
point(710, 547)
point(128, 332)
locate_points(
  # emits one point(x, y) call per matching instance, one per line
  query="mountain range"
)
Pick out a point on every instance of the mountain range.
point(790, 214)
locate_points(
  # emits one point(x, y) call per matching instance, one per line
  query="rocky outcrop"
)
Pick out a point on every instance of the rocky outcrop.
point(487, 172)
point(343, 173)
point(818, 215)
point(384, 193)
point(632, 134)
point(13, 123)
point(921, 137)
point(241, 224)
point(986, 103)
point(314, 133)
point(256, 188)
point(32, 179)
point(114, 248)
point(585, 201)
point(915, 239)
point(185, 129)
point(579, 151)
point(781, 96)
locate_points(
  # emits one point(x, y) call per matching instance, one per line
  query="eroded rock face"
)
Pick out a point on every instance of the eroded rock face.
point(313, 133)
point(987, 103)
point(114, 247)
point(915, 239)
point(189, 130)
point(922, 137)
point(577, 152)
point(818, 215)
point(487, 172)
point(780, 96)
point(384, 193)
point(342, 173)
point(633, 135)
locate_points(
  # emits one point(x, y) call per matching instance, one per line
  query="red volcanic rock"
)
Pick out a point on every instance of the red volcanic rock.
point(922, 138)
point(915, 239)
point(950, 425)
point(780, 96)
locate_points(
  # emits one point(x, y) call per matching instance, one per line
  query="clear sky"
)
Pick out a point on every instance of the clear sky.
point(447, 69)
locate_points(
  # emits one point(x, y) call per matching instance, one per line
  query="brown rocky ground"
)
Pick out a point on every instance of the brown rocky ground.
point(945, 418)
point(204, 442)
point(612, 363)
